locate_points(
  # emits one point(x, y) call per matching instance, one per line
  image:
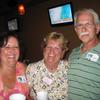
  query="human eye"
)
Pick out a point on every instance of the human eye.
point(89, 24)
point(57, 49)
point(7, 47)
point(79, 26)
point(48, 47)
point(14, 47)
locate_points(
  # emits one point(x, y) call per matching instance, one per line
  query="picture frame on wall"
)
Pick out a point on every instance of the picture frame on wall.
point(13, 24)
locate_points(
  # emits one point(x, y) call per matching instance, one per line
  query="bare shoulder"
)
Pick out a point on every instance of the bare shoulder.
point(21, 66)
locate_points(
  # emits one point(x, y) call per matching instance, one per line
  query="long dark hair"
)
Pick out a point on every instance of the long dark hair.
point(4, 40)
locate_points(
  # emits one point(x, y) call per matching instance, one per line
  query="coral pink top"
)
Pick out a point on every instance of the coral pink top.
point(21, 85)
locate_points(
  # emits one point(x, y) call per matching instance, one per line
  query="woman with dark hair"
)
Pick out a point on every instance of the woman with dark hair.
point(12, 72)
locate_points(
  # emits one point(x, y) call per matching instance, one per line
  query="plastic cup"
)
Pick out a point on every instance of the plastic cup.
point(42, 95)
point(17, 96)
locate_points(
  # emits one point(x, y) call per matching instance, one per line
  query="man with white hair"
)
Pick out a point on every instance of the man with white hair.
point(84, 61)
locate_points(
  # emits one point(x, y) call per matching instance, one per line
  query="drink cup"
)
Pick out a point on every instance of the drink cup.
point(42, 95)
point(17, 96)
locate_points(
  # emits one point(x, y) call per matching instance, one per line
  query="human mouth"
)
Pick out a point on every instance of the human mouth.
point(11, 56)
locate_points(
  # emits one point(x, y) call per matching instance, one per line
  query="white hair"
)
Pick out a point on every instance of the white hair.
point(91, 11)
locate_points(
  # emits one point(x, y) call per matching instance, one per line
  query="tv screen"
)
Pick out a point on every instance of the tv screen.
point(61, 14)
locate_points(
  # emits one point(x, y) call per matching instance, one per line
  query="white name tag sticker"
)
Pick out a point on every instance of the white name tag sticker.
point(92, 57)
point(47, 80)
point(21, 79)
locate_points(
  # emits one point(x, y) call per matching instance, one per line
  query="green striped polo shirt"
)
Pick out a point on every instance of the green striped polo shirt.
point(84, 74)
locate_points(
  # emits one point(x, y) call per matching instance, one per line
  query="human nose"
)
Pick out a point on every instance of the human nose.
point(83, 28)
point(51, 50)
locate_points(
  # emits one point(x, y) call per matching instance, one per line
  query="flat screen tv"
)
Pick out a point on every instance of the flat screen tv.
point(61, 14)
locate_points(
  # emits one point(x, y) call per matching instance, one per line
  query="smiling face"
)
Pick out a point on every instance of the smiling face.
point(53, 52)
point(86, 28)
point(10, 52)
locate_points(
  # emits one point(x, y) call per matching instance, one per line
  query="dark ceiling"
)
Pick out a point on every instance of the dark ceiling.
point(8, 5)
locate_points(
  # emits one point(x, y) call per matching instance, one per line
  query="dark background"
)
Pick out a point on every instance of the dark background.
point(34, 24)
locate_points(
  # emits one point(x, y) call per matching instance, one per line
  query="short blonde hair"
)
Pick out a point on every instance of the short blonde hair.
point(56, 36)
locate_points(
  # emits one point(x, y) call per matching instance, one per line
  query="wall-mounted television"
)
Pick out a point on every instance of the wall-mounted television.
point(61, 14)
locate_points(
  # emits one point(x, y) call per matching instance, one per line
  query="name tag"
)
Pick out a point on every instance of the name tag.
point(47, 80)
point(21, 79)
point(92, 57)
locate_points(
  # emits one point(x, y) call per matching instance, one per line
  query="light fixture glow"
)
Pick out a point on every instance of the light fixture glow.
point(21, 9)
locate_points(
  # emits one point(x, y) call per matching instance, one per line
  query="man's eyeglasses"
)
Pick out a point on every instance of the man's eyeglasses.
point(87, 25)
